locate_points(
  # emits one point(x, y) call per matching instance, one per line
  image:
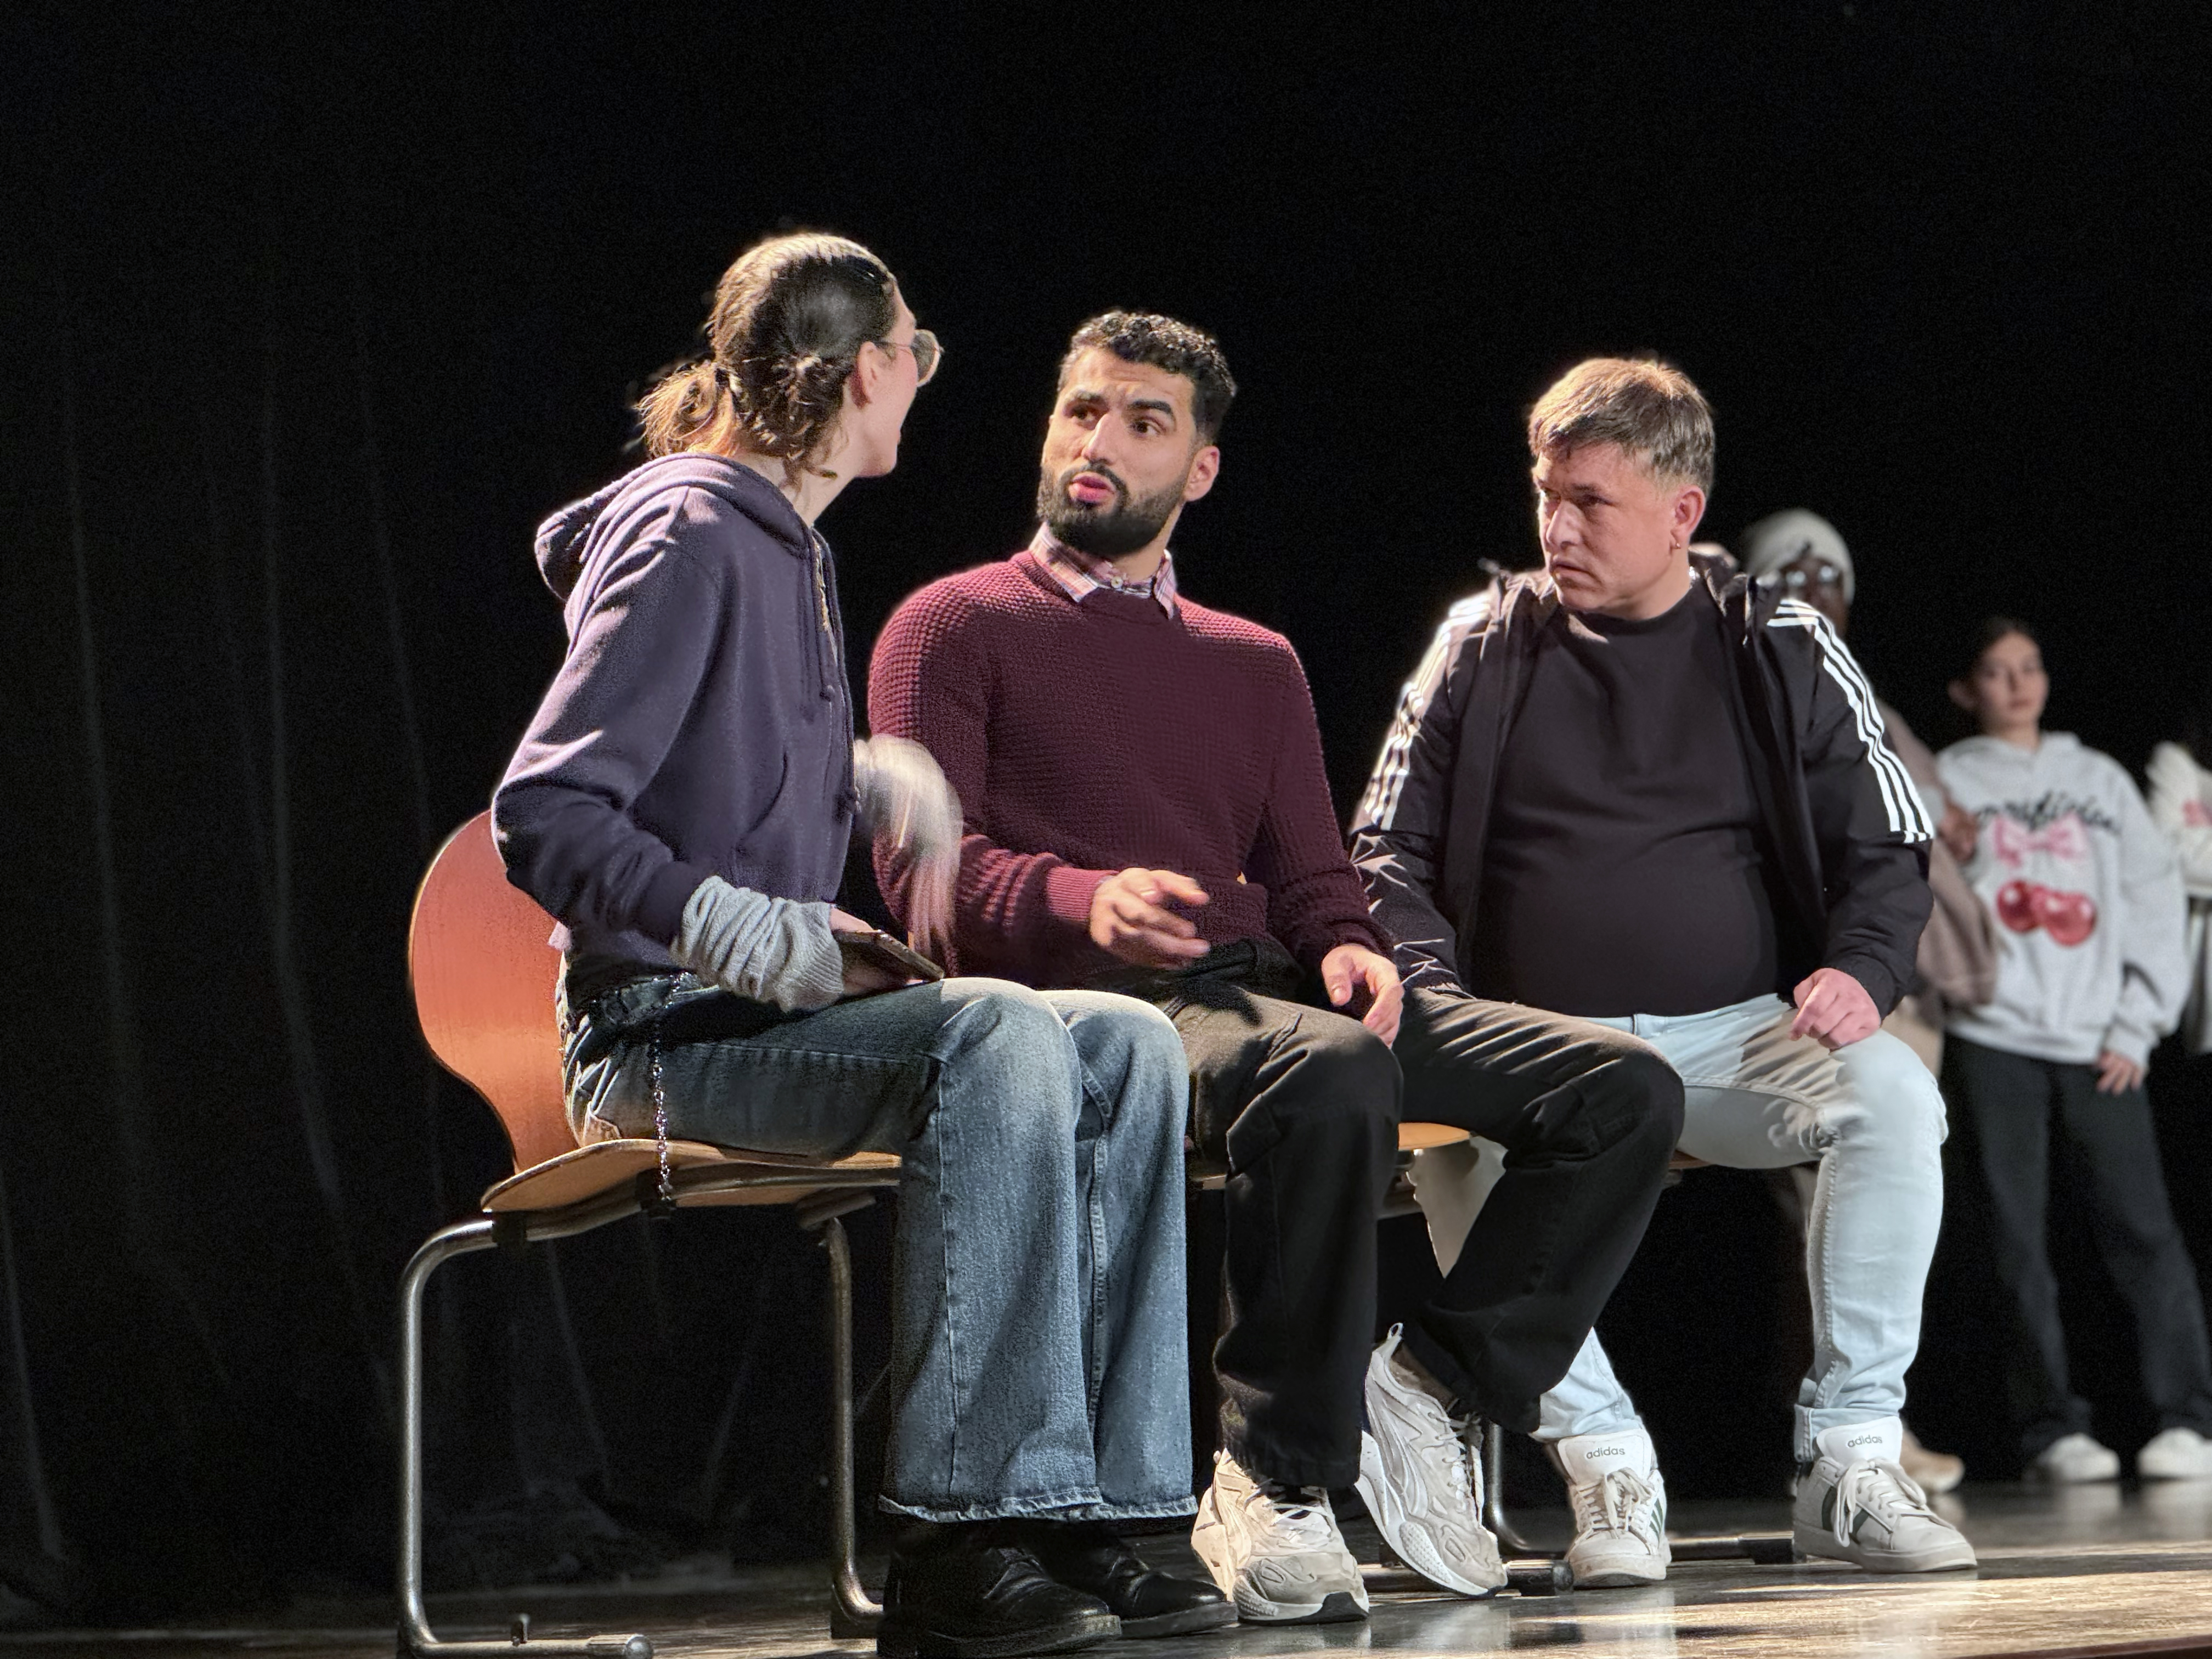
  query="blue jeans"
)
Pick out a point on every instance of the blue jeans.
point(1038, 1361)
point(1755, 1098)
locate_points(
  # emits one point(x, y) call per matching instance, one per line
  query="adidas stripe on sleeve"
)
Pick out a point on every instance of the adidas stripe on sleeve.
point(1901, 798)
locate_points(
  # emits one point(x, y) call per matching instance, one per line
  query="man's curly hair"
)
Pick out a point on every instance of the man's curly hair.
point(1145, 336)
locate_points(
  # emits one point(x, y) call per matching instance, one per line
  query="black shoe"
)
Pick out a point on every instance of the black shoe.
point(1086, 1556)
point(964, 1593)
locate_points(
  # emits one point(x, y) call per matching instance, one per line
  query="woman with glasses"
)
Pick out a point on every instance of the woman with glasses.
point(681, 804)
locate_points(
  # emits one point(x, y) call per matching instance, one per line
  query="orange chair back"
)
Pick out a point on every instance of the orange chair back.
point(482, 967)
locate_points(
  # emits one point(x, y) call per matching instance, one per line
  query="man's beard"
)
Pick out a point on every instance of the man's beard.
point(1104, 533)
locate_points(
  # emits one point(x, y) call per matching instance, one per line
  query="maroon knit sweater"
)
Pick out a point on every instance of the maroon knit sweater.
point(1085, 738)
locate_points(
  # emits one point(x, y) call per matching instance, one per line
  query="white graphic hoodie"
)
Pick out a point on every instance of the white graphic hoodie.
point(2088, 898)
point(2181, 804)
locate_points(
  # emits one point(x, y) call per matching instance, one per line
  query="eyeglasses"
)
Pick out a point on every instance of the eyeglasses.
point(928, 353)
point(1796, 579)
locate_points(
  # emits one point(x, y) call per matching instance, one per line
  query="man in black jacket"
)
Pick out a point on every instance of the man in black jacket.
point(1638, 790)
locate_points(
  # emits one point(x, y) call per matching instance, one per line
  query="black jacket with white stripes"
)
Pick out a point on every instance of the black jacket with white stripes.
point(1844, 819)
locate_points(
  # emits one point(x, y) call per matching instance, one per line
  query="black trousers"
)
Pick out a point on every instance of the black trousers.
point(1588, 1116)
point(2011, 1102)
point(1302, 1105)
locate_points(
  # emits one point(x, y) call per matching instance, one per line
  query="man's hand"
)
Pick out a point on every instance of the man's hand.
point(1833, 1009)
point(907, 803)
point(1960, 831)
point(2116, 1073)
point(1350, 969)
point(1127, 918)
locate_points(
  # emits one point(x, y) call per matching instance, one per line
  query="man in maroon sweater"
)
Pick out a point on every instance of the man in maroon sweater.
point(1146, 812)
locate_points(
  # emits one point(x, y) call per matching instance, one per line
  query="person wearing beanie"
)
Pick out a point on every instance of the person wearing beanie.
point(1802, 554)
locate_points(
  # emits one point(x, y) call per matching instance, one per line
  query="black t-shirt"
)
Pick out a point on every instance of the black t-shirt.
point(1626, 870)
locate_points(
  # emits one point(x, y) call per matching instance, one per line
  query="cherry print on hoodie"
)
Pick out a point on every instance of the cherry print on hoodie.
point(2068, 916)
point(2025, 906)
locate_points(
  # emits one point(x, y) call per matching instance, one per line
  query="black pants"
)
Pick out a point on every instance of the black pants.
point(1302, 1103)
point(2010, 1101)
point(1588, 1117)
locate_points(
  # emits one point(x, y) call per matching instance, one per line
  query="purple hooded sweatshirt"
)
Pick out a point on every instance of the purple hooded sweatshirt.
point(700, 724)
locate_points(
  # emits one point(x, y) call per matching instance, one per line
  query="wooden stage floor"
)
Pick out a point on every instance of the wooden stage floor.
point(2105, 1569)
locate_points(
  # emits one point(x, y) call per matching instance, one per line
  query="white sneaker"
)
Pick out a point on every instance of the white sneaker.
point(1274, 1550)
point(1419, 1479)
point(2175, 1454)
point(2075, 1458)
point(1859, 1505)
point(1619, 1501)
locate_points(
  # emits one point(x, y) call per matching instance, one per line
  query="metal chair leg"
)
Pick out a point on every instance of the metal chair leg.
point(852, 1612)
point(415, 1639)
point(1510, 1540)
point(1528, 1570)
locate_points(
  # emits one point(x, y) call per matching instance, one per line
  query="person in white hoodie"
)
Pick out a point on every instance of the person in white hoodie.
point(2091, 973)
point(2179, 782)
point(2181, 805)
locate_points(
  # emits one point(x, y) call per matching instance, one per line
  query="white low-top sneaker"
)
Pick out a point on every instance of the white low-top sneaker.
point(2176, 1454)
point(1275, 1550)
point(1857, 1503)
point(1420, 1478)
point(2075, 1458)
point(1619, 1501)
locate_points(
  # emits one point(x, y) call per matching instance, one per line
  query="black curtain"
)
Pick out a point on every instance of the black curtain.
point(313, 312)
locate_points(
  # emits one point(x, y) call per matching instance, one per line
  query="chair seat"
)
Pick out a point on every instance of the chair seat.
point(603, 1166)
point(1209, 1174)
point(1422, 1136)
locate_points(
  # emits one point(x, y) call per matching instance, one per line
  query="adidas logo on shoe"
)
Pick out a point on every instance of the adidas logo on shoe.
point(1619, 1503)
point(1867, 1511)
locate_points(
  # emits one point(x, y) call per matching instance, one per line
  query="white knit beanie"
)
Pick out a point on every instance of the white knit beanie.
point(1784, 538)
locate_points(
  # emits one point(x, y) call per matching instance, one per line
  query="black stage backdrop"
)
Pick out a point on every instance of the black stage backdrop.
point(311, 312)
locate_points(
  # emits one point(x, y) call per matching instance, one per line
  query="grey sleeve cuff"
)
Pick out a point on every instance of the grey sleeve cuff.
point(774, 950)
point(2127, 1039)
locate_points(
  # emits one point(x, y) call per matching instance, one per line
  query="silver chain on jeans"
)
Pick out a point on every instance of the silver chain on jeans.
point(660, 1124)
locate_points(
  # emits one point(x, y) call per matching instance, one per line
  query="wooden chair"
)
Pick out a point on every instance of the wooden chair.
point(483, 970)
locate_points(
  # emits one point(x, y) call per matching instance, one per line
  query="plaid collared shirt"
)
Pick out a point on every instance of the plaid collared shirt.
point(1080, 575)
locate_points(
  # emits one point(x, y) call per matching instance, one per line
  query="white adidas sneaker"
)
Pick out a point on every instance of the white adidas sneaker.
point(1619, 1501)
point(2073, 1457)
point(1420, 1478)
point(1275, 1550)
point(2175, 1453)
point(1857, 1505)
